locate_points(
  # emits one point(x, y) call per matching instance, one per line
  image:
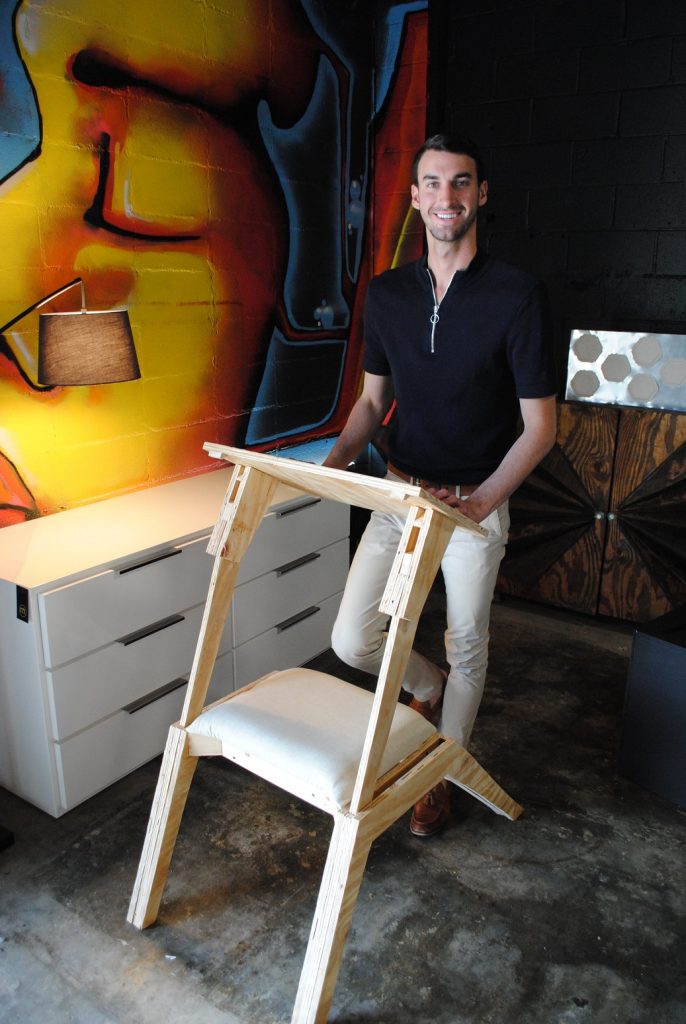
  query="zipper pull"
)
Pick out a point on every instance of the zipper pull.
point(434, 318)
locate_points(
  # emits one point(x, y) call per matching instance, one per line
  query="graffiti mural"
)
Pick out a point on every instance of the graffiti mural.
point(211, 170)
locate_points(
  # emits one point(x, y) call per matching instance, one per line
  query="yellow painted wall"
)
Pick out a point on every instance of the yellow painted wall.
point(148, 115)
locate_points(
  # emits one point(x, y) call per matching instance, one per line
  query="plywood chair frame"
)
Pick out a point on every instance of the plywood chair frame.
point(377, 797)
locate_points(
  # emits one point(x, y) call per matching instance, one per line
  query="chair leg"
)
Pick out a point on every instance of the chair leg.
point(173, 784)
point(340, 886)
point(470, 776)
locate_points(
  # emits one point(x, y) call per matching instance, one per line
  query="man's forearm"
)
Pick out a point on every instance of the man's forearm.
point(364, 420)
point(359, 430)
point(522, 458)
point(536, 440)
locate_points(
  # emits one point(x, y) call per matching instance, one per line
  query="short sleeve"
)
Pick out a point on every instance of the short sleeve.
point(530, 347)
point(374, 359)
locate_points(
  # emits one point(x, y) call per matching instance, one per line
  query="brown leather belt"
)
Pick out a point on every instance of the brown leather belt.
point(461, 490)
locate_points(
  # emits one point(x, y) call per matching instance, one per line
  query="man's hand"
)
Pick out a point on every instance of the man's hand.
point(470, 507)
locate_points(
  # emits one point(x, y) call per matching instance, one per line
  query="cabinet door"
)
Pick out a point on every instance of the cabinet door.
point(600, 525)
point(644, 567)
point(558, 515)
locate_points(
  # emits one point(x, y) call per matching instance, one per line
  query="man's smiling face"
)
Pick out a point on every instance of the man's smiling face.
point(448, 194)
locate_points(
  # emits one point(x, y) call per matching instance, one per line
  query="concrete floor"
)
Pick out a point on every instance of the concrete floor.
point(576, 913)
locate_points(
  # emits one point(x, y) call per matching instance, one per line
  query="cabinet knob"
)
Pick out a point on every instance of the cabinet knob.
point(598, 515)
point(611, 516)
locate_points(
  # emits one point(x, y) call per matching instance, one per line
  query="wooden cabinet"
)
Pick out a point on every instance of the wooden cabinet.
point(100, 610)
point(600, 525)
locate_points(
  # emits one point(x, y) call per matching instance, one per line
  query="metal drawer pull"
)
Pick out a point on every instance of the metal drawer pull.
point(154, 627)
point(150, 698)
point(295, 619)
point(297, 562)
point(306, 503)
point(148, 561)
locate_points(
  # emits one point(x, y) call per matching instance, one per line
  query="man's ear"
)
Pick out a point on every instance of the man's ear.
point(483, 193)
point(414, 196)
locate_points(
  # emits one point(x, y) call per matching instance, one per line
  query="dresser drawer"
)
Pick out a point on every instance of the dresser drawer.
point(295, 584)
point(93, 612)
point(97, 757)
point(100, 683)
point(292, 530)
point(290, 643)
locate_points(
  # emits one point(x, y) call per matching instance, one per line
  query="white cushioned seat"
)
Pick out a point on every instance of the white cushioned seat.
point(304, 731)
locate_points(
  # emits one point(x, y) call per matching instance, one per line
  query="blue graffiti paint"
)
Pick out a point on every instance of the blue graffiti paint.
point(299, 388)
point(323, 164)
point(20, 125)
point(388, 44)
point(307, 157)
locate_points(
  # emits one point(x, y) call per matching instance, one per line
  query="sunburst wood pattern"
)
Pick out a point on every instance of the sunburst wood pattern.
point(600, 526)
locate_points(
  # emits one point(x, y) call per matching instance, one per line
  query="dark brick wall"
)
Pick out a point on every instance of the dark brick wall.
point(580, 108)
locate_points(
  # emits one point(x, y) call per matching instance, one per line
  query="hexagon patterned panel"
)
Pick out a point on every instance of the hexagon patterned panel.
point(627, 368)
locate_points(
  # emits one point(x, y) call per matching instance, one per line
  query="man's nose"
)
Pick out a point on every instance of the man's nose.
point(448, 193)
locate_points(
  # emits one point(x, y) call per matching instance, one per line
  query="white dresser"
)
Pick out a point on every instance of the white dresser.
point(100, 609)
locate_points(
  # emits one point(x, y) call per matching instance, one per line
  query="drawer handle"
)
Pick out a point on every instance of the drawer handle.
point(155, 627)
point(297, 563)
point(150, 698)
point(297, 507)
point(295, 619)
point(148, 561)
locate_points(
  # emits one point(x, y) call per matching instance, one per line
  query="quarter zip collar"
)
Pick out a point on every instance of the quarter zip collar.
point(475, 265)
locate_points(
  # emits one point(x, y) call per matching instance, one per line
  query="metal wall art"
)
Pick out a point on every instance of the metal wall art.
point(627, 368)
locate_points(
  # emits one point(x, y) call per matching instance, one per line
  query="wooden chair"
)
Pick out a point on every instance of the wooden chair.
point(362, 757)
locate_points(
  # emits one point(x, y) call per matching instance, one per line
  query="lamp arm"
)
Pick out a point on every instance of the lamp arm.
point(41, 302)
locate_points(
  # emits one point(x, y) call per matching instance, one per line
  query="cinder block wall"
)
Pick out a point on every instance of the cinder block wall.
point(581, 111)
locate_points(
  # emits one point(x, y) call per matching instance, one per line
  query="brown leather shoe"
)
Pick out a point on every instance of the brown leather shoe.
point(432, 812)
point(430, 709)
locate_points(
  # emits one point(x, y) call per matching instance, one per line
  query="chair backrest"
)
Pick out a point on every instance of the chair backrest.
point(428, 528)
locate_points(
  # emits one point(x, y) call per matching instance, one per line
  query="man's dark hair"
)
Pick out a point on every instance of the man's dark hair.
point(444, 142)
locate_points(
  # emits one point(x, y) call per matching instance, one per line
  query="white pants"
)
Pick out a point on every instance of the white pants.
point(470, 568)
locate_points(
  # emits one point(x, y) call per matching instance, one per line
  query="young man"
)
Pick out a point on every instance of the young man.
point(461, 342)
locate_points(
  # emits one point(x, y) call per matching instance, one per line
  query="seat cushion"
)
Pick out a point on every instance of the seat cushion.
point(304, 731)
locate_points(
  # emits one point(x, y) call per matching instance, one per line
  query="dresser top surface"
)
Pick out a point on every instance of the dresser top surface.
point(42, 551)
